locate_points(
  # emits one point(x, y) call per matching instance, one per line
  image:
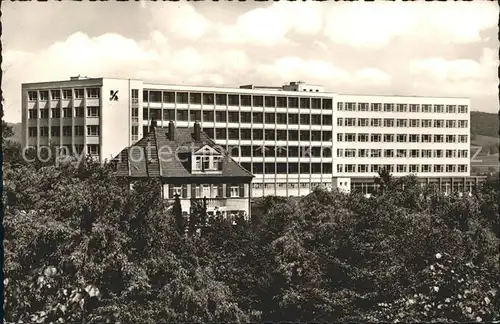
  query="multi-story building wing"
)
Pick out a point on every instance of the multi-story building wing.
point(292, 138)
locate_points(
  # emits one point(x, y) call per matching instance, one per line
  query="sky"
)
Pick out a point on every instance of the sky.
point(445, 49)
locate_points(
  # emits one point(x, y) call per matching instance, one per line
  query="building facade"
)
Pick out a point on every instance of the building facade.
point(191, 166)
point(292, 138)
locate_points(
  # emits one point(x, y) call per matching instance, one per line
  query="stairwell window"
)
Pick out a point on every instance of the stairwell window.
point(93, 130)
point(93, 93)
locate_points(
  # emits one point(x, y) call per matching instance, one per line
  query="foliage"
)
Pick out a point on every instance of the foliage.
point(82, 245)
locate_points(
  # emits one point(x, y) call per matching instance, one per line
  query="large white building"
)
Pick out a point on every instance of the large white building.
point(291, 138)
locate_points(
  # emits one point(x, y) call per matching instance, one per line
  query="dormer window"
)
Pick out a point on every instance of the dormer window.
point(208, 163)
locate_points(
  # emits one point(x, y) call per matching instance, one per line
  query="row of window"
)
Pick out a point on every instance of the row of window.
point(401, 138)
point(91, 149)
point(244, 100)
point(401, 122)
point(66, 112)
point(92, 130)
point(289, 185)
point(402, 153)
point(208, 191)
point(390, 107)
point(238, 117)
point(401, 168)
point(57, 94)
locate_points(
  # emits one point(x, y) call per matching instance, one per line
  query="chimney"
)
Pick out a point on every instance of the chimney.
point(197, 131)
point(153, 125)
point(171, 130)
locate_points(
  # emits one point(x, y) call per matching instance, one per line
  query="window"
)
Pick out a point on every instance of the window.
point(388, 138)
point(79, 112)
point(168, 97)
point(363, 168)
point(281, 102)
point(350, 137)
point(375, 168)
point(93, 93)
point(220, 116)
point(305, 119)
point(414, 138)
point(93, 130)
point(350, 153)
point(439, 123)
point(340, 168)
point(389, 153)
point(135, 94)
point(438, 168)
point(340, 152)
point(438, 138)
point(315, 103)
point(426, 138)
point(78, 130)
point(402, 123)
point(438, 153)
point(389, 167)
point(375, 153)
point(281, 119)
point(208, 116)
point(44, 95)
point(270, 118)
point(414, 122)
point(388, 107)
point(462, 168)
point(363, 106)
point(93, 149)
point(55, 131)
point(32, 132)
point(462, 138)
point(233, 100)
point(195, 98)
point(327, 103)
point(315, 119)
point(375, 107)
point(462, 153)
point(363, 122)
point(44, 113)
point(363, 152)
point(451, 109)
point(220, 133)
point(350, 106)
point(195, 115)
point(340, 106)
point(426, 153)
point(450, 154)
point(401, 153)
point(376, 137)
point(350, 168)
point(426, 108)
point(401, 168)
point(67, 131)
point(451, 123)
point(78, 93)
point(462, 109)
point(258, 101)
point(32, 95)
point(327, 120)
point(451, 138)
point(438, 109)
point(414, 153)
point(427, 123)
point(350, 122)
point(44, 131)
point(401, 107)
point(340, 137)
point(388, 122)
point(462, 124)
point(414, 108)
point(414, 168)
point(182, 115)
point(67, 112)
point(376, 122)
point(92, 111)
point(426, 168)
point(401, 138)
point(56, 113)
point(32, 114)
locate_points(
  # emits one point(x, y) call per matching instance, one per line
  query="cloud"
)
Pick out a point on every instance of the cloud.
point(179, 20)
point(462, 76)
point(361, 24)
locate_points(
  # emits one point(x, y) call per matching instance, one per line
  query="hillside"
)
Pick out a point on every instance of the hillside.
point(485, 124)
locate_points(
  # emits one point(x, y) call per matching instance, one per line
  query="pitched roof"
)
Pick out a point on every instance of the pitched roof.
point(155, 155)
